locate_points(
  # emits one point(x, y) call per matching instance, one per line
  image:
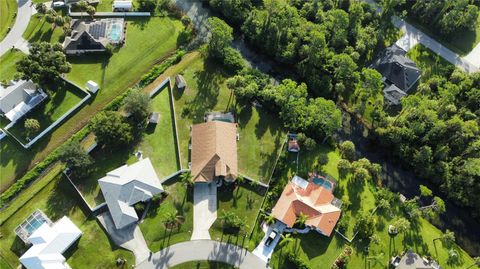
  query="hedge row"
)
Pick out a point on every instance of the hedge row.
point(158, 69)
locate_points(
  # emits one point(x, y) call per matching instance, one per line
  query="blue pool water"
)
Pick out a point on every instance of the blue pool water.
point(34, 225)
point(115, 32)
point(322, 182)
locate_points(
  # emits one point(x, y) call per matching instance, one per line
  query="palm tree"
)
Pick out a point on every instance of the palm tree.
point(172, 220)
point(447, 238)
point(41, 8)
point(285, 239)
point(59, 21)
point(187, 179)
point(82, 6)
point(301, 219)
point(375, 258)
point(269, 219)
point(91, 11)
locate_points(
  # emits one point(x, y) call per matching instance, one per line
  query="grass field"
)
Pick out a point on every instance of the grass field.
point(8, 8)
point(429, 62)
point(7, 64)
point(321, 251)
point(39, 30)
point(114, 75)
point(180, 202)
point(203, 265)
point(58, 199)
point(460, 42)
point(157, 143)
point(244, 200)
point(261, 135)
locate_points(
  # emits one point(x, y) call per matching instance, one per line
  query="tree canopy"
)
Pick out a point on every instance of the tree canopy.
point(111, 129)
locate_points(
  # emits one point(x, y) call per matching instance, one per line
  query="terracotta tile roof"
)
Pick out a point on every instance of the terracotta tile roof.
point(313, 200)
point(214, 151)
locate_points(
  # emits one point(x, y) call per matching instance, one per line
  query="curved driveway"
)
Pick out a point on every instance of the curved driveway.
point(197, 250)
point(14, 37)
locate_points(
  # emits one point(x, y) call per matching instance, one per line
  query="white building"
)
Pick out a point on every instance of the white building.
point(18, 98)
point(49, 242)
point(122, 6)
point(126, 186)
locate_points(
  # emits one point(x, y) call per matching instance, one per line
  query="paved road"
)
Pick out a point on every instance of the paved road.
point(202, 250)
point(204, 209)
point(14, 37)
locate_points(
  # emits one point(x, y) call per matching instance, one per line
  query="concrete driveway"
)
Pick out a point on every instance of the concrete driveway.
point(204, 209)
point(14, 37)
point(130, 237)
point(202, 250)
point(265, 252)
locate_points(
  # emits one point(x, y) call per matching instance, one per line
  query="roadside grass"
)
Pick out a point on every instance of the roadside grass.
point(179, 201)
point(7, 64)
point(321, 251)
point(244, 200)
point(114, 76)
point(261, 134)
point(156, 143)
point(58, 199)
point(429, 62)
point(60, 100)
point(8, 8)
point(203, 265)
point(460, 42)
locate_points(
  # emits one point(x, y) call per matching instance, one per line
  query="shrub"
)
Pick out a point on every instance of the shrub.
point(299, 263)
point(32, 126)
point(233, 60)
point(347, 150)
point(158, 69)
point(309, 144)
point(342, 225)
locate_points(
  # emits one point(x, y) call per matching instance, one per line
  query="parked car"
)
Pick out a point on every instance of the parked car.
point(273, 234)
point(58, 4)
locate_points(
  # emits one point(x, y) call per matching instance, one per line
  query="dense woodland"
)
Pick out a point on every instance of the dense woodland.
point(327, 43)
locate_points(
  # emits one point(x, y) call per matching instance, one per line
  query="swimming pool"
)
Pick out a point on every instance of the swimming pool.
point(323, 182)
point(34, 225)
point(115, 33)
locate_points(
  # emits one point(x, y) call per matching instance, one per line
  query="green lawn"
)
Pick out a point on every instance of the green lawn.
point(56, 200)
point(244, 200)
point(8, 8)
point(7, 66)
point(203, 265)
point(179, 201)
point(321, 251)
point(157, 143)
point(429, 62)
point(461, 42)
point(114, 75)
point(60, 100)
point(261, 135)
point(39, 30)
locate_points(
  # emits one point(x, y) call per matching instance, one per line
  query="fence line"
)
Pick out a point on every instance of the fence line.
point(172, 104)
point(112, 14)
point(258, 182)
point(92, 210)
point(173, 175)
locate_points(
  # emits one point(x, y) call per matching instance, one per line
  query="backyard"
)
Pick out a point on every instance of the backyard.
point(429, 62)
point(58, 199)
point(8, 8)
point(179, 204)
point(320, 251)
point(157, 143)
point(114, 75)
point(7, 68)
point(261, 134)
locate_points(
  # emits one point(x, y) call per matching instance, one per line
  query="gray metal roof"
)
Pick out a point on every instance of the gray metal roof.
point(412, 260)
point(19, 91)
point(126, 186)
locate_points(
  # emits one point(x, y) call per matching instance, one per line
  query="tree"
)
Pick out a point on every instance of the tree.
point(369, 86)
point(361, 174)
point(347, 150)
point(147, 5)
point(41, 8)
point(59, 21)
point(401, 225)
point(476, 262)
point(45, 63)
point(82, 6)
point(270, 219)
point(285, 239)
point(425, 191)
point(301, 219)
point(171, 219)
point(344, 167)
point(220, 39)
point(50, 17)
point(365, 225)
point(91, 11)
point(137, 105)
point(111, 130)
point(76, 158)
point(447, 238)
point(32, 126)
point(186, 21)
point(187, 179)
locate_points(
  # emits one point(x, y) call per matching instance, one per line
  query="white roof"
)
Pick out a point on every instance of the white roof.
point(126, 186)
point(48, 244)
point(91, 83)
point(122, 4)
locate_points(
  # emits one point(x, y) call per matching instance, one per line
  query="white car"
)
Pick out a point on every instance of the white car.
point(273, 234)
point(58, 4)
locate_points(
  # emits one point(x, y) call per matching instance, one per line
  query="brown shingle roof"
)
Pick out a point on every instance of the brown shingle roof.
point(214, 151)
point(314, 201)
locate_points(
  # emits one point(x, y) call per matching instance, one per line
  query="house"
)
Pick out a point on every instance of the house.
point(214, 151)
point(122, 6)
point(180, 82)
point(94, 35)
point(398, 70)
point(293, 145)
point(314, 198)
point(411, 260)
point(19, 98)
point(126, 186)
point(49, 242)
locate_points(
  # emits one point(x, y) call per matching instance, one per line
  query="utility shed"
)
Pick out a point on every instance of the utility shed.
point(180, 82)
point(92, 86)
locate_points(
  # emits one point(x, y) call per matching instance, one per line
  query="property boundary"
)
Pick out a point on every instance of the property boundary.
point(112, 14)
point(92, 210)
point(56, 122)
